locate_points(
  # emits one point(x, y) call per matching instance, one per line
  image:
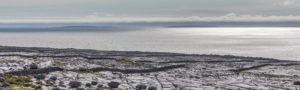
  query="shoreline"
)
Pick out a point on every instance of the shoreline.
point(23, 49)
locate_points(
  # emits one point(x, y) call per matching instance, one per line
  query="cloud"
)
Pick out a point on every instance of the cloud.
point(285, 3)
point(288, 2)
point(145, 8)
point(21, 3)
point(231, 17)
point(97, 15)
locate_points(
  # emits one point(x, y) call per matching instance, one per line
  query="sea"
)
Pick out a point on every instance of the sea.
point(270, 42)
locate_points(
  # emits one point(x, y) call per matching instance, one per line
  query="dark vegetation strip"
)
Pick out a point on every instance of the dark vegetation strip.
point(35, 71)
point(290, 64)
point(104, 57)
point(137, 70)
point(53, 69)
point(92, 53)
point(54, 56)
point(217, 61)
point(246, 59)
point(118, 54)
point(249, 68)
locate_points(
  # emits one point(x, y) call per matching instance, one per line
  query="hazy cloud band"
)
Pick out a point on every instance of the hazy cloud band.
point(231, 17)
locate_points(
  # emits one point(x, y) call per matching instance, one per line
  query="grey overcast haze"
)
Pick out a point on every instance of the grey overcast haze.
point(13, 11)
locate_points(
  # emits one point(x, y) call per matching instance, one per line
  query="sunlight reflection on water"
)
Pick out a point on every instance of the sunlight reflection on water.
point(282, 43)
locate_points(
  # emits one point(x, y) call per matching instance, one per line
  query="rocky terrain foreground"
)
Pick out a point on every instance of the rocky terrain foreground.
point(80, 69)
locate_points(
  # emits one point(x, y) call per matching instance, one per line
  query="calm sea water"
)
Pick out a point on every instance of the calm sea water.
point(281, 43)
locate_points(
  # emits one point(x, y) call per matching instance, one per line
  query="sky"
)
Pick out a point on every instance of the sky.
point(147, 10)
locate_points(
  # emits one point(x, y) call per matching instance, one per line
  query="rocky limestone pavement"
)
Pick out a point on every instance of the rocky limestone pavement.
point(81, 69)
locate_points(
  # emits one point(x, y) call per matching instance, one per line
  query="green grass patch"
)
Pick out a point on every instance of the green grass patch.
point(17, 87)
point(18, 83)
point(121, 89)
point(111, 89)
point(21, 80)
point(99, 89)
point(164, 64)
point(276, 76)
point(59, 64)
point(84, 71)
point(131, 64)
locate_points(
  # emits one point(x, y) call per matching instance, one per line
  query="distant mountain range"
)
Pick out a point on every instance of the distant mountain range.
point(50, 27)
